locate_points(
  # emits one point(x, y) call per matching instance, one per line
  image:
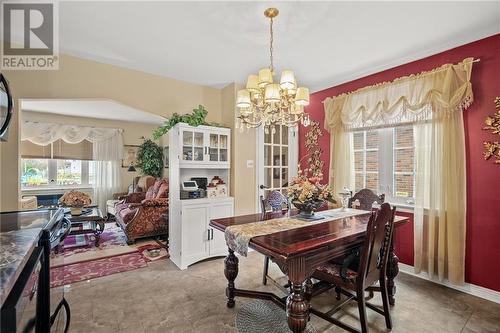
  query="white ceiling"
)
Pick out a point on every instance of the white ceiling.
point(215, 43)
point(100, 109)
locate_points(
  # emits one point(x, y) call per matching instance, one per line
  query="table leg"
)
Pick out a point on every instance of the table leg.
point(392, 271)
point(231, 272)
point(297, 309)
point(99, 228)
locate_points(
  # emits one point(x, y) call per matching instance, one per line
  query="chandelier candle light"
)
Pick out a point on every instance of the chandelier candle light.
point(271, 104)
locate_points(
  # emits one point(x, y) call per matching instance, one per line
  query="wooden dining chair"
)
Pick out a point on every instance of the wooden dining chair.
point(274, 202)
point(372, 268)
point(366, 198)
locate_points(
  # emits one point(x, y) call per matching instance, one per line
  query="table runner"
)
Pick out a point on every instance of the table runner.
point(238, 236)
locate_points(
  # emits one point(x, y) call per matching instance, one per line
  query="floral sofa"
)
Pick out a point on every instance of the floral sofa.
point(144, 214)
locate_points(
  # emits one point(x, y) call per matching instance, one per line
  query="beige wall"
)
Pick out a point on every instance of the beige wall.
point(243, 148)
point(132, 132)
point(79, 78)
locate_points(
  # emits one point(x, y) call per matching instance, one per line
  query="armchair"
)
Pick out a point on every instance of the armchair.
point(139, 184)
point(143, 214)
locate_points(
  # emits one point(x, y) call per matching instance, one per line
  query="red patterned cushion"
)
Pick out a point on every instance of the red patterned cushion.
point(127, 214)
point(150, 194)
point(163, 190)
point(334, 269)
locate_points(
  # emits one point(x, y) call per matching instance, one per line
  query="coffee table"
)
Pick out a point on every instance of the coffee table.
point(91, 222)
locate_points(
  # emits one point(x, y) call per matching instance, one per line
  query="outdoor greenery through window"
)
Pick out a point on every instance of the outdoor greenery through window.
point(56, 173)
point(384, 162)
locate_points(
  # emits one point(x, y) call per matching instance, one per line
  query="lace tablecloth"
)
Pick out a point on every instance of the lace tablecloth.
point(238, 236)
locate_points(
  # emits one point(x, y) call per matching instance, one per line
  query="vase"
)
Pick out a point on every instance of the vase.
point(76, 210)
point(307, 209)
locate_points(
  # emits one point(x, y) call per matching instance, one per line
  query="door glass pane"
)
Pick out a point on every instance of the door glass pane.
point(267, 177)
point(214, 140)
point(69, 172)
point(284, 177)
point(223, 141)
point(187, 138)
point(267, 136)
point(267, 155)
point(276, 156)
point(214, 154)
point(198, 154)
point(223, 155)
point(198, 139)
point(284, 135)
point(284, 156)
point(187, 153)
point(276, 177)
point(276, 135)
point(34, 172)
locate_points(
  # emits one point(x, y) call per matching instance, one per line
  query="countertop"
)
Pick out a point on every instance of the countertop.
point(19, 235)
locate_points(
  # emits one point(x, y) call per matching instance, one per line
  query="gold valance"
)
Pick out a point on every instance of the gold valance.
point(410, 99)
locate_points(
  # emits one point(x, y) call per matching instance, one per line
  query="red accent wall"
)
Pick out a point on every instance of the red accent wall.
point(483, 177)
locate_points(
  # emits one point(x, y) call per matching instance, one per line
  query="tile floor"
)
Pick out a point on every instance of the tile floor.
point(162, 298)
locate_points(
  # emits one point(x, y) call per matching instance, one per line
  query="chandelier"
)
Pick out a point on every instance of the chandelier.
point(271, 104)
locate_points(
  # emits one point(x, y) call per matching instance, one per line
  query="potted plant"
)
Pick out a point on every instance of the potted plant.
point(150, 158)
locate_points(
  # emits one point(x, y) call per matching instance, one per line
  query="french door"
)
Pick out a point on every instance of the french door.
point(277, 159)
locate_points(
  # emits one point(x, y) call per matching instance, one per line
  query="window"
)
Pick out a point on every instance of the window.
point(384, 162)
point(56, 173)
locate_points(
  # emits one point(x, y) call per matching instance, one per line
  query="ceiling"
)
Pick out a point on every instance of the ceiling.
point(100, 109)
point(216, 43)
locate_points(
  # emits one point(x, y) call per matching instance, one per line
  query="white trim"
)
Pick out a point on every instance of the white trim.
point(472, 289)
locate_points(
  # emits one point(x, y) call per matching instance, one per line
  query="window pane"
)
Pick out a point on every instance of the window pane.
point(34, 172)
point(403, 136)
point(267, 177)
point(403, 160)
point(267, 155)
point(403, 186)
point(276, 177)
point(69, 172)
point(358, 138)
point(372, 160)
point(358, 182)
point(372, 139)
point(284, 135)
point(91, 172)
point(358, 161)
point(372, 181)
point(276, 135)
point(284, 177)
point(284, 156)
point(276, 156)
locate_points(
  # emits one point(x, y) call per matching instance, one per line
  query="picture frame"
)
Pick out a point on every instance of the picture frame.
point(129, 155)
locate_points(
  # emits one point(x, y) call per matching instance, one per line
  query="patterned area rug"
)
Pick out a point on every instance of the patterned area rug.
point(87, 270)
point(82, 260)
point(261, 316)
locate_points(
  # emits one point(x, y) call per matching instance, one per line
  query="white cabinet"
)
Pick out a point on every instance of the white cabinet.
point(198, 240)
point(204, 146)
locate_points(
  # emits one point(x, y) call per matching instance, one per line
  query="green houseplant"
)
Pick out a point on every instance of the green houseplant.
point(150, 158)
point(196, 118)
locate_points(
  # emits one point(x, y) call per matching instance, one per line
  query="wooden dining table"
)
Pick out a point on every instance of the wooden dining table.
point(298, 253)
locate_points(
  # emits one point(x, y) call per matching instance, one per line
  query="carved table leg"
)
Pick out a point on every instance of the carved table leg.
point(392, 272)
point(297, 306)
point(231, 272)
point(308, 288)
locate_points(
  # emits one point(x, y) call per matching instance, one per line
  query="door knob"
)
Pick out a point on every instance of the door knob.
point(263, 187)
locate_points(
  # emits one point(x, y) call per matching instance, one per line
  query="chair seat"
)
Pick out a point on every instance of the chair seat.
point(334, 270)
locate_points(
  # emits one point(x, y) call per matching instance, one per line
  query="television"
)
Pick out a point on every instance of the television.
point(5, 107)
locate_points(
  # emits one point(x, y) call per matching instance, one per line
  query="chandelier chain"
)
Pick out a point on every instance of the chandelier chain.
point(271, 45)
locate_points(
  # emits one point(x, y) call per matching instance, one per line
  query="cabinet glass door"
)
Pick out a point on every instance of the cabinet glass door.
point(192, 145)
point(218, 148)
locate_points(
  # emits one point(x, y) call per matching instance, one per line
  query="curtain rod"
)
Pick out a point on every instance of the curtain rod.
point(55, 123)
point(437, 69)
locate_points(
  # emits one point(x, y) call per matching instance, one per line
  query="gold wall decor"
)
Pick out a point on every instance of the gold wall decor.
point(314, 161)
point(492, 148)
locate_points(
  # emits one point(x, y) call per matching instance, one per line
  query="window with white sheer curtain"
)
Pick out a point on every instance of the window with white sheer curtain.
point(371, 147)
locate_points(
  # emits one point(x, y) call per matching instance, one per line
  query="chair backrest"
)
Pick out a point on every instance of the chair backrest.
point(143, 183)
point(275, 201)
point(373, 261)
point(366, 198)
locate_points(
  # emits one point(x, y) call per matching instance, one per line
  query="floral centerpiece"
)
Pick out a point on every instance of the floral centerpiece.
point(75, 200)
point(308, 194)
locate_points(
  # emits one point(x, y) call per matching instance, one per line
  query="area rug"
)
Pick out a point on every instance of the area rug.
point(68, 274)
point(261, 316)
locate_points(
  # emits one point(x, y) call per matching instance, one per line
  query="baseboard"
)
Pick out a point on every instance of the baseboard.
point(472, 289)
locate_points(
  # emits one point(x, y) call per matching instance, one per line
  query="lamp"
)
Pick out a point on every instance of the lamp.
point(131, 168)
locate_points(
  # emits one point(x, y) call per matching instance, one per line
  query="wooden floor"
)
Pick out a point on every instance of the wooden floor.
point(162, 298)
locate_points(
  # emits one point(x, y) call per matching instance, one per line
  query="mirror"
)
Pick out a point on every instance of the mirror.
point(5, 107)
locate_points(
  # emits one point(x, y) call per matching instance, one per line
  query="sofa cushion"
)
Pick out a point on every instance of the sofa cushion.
point(163, 190)
point(127, 214)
